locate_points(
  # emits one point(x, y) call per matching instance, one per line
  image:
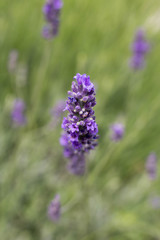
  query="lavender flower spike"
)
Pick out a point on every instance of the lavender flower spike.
point(54, 209)
point(140, 47)
point(51, 12)
point(80, 128)
point(117, 131)
point(151, 166)
point(17, 113)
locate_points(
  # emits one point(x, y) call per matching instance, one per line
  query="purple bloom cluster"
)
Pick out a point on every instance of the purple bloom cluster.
point(139, 48)
point(51, 12)
point(151, 166)
point(80, 128)
point(117, 131)
point(17, 113)
point(54, 209)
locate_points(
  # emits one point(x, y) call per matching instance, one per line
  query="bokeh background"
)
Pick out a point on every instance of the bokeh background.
point(113, 200)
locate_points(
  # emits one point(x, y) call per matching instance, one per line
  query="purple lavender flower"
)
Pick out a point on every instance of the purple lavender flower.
point(140, 47)
point(151, 166)
point(117, 131)
point(17, 113)
point(12, 61)
point(51, 12)
point(54, 209)
point(77, 161)
point(80, 128)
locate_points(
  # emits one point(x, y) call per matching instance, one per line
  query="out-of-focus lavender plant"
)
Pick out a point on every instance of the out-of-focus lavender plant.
point(117, 131)
point(151, 166)
point(77, 163)
point(51, 12)
point(21, 75)
point(17, 113)
point(57, 111)
point(54, 209)
point(140, 48)
point(155, 201)
point(12, 61)
point(80, 128)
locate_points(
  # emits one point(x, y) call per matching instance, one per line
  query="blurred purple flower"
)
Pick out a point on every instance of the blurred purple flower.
point(51, 12)
point(80, 128)
point(151, 166)
point(137, 61)
point(155, 202)
point(76, 163)
point(21, 75)
point(17, 113)
point(57, 112)
point(117, 131)
point(58, 109)
point(140, 47)
point(54, 209)
point(12, 61)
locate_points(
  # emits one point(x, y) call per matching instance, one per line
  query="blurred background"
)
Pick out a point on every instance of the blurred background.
point(115, 199)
